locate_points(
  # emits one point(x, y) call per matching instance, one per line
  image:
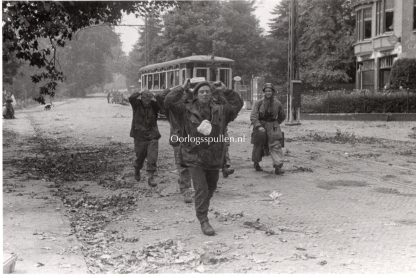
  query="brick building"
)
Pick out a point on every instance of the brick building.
point(386, 31)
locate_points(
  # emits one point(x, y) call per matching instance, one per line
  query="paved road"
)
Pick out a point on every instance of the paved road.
point(345, 205)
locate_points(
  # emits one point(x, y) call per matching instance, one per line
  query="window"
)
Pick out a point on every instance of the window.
point(363, 24)
point(385, 64)
point(156, 81)
point(367, 23)
point(162, 80)
point(384, 16)
point(170, 79)
point(389, 15)
point(225, 76)
point(213, 74)
point(201, 73)
point(176, 77)
point(149, 81)
point(366, 69)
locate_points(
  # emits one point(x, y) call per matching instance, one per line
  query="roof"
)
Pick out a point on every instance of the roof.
point(190, 59)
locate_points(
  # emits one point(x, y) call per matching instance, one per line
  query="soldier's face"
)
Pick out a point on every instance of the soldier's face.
point(146, 101)
point(268, 93)
point(204, 94)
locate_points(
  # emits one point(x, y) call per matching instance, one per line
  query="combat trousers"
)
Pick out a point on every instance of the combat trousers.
point(205, 184)
point(184, 176)
point(146, 150)
point(273, 147)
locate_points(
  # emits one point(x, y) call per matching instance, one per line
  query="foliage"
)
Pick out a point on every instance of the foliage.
point(342, 102)
point(324, 41)
point(90, 59)
point(25, 23)
point(228, 29)
point(403, 74)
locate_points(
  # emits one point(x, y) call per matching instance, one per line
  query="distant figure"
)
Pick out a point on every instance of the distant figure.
point(266, 117)
point(145, 132)
point(108, 96)
point(48, 106)
point(8, 109)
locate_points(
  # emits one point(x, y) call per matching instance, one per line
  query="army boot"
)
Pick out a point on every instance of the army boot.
point(227, 171)
point(137, 174)
point(151, 180)
point(278, 169)
point(207, 229)
point(257, 167)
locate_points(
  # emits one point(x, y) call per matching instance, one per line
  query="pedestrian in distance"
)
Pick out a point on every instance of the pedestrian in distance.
point(204, 123)
point(145, 132)
point(267, 137)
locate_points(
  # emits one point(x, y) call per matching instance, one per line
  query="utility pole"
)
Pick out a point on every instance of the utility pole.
point(293, 73)
point(146, 39)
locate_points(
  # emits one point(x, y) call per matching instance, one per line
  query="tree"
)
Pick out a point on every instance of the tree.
point(149, 44)
point(227, 29)
point(403, 74)
point(87, 59)
point(25, 23)
point(325, 34)
point(325, 42)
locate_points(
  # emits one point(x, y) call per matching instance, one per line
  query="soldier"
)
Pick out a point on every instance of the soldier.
point(266, 117)
point(226, 168)
point(176, 130)
point(145, 132)
point(203, 120)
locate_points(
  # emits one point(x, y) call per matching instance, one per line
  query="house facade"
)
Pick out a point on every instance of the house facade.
point(386, 31)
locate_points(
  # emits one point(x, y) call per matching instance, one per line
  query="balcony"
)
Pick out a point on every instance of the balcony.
point(385, 41)
point(363, 47)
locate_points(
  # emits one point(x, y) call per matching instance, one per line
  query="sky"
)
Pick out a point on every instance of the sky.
point(130, 35)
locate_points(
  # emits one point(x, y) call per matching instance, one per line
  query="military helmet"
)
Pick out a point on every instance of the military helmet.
point(269, 85)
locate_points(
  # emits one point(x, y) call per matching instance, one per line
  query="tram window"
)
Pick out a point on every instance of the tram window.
point(183, 75)
point(144, 81)
point(225, 76)
point(170, 79)
point(176, 77)
point(156, 81)
point(162, 80)
point(213, 74)
point(149, 81)
point(201, 73)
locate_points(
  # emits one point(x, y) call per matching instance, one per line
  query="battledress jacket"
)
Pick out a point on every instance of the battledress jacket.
point(270, 120)
point(205, 155)
point(144, 123)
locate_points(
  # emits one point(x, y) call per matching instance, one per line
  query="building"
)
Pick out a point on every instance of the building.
point(386, 31)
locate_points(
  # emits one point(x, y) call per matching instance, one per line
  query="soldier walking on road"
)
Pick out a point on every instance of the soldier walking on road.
point(145, 132)
point(203, 119)
point(267, 137)
point(184, 180)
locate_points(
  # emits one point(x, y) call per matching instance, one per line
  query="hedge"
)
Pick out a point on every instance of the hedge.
point(397, 103)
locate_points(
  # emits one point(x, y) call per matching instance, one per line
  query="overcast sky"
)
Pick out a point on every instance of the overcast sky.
point(130, 35)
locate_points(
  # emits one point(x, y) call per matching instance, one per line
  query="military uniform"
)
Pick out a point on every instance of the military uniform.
point(146, 134)
point(269, 114)
point(204, 160)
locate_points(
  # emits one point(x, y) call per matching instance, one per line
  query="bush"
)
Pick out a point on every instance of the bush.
point(359, 103)
point(403, 74)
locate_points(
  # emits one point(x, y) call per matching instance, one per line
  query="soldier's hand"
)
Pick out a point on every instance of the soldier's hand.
point(261, 128)
point(186, 84)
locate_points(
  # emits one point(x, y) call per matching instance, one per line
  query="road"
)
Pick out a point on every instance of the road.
point(346, 203)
